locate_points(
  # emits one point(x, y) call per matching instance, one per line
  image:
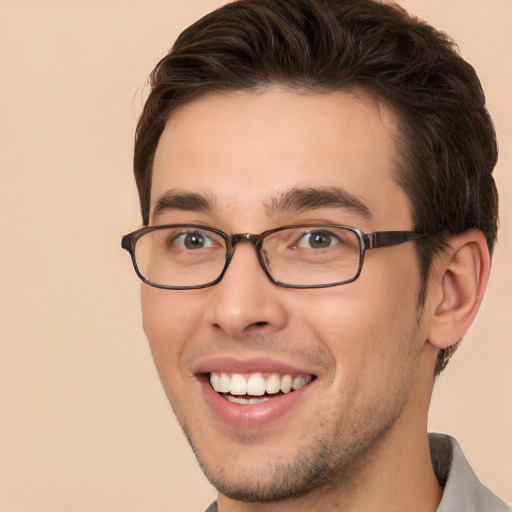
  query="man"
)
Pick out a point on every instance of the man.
point(319, 210)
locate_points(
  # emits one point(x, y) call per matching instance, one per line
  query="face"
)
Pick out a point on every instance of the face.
point(353, 352)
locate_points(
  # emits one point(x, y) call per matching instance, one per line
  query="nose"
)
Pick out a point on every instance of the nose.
point(246, 301)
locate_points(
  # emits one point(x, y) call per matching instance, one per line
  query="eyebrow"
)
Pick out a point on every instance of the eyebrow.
point(292, 201)
point(186, 201)
point(307, 198)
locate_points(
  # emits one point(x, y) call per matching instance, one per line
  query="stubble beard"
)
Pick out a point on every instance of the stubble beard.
point(319, 465)
point(328, 459)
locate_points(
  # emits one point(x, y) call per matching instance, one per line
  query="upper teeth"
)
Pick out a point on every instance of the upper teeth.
point(255, 384)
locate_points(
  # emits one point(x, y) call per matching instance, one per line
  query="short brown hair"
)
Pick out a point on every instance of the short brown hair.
point(446, 142)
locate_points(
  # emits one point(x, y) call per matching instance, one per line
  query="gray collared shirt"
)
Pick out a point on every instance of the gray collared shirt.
point(463, 492)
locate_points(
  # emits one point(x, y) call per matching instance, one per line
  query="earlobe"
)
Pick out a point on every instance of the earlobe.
point(457, 286)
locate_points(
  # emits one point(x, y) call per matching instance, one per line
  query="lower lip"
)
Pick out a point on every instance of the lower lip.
point(251, 415)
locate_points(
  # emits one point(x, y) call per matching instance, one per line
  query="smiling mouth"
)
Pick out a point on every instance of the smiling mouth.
point(255, 388)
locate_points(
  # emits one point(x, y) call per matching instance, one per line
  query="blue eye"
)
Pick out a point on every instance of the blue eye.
point(318, 240)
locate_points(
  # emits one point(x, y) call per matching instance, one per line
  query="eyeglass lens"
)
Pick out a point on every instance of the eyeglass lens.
point(300, 256)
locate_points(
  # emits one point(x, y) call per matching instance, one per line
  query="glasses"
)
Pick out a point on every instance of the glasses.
point(183, 256)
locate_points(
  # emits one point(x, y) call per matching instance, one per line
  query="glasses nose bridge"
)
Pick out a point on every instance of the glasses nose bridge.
point(247, 238)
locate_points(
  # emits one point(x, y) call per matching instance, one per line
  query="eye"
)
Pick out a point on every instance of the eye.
point(193, 240)
point(318, 240)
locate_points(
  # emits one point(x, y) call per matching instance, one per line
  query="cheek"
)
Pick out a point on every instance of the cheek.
point(365, 325)
point(168, 321)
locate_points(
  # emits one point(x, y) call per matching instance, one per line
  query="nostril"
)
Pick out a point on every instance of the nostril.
point(259, 324)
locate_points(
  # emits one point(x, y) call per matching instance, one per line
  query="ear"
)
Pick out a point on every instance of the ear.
point(456, 288)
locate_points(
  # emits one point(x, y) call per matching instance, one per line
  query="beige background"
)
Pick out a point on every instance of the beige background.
point(84, 425)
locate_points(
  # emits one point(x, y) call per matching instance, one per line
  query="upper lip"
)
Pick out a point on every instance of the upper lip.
point(231, 364)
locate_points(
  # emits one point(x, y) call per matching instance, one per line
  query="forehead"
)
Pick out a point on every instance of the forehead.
point(244, 149)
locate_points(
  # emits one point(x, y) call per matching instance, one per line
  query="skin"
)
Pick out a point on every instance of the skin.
point(356, 439)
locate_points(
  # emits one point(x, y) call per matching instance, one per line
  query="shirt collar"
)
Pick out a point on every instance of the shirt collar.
point(463, 492)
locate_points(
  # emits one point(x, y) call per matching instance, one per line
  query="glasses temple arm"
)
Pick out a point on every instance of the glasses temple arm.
point(389, 238)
